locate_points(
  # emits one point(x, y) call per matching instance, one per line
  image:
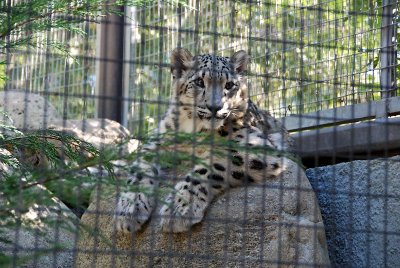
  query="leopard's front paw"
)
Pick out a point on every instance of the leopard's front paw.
point(179, 214)
point(133, 210)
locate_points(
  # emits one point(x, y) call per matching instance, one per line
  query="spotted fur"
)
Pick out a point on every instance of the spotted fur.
point(209, 95)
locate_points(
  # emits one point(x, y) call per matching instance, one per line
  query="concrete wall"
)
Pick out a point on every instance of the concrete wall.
point(360, 205)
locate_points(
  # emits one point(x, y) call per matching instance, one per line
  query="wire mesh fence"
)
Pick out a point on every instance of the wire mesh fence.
point(196, 173)
point(55, 63)
point(306, 56)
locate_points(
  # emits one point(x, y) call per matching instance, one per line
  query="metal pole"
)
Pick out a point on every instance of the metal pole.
point(387, 55)
point(110, 79)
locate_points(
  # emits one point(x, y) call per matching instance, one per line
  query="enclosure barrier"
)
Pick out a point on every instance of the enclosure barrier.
point(327, 69)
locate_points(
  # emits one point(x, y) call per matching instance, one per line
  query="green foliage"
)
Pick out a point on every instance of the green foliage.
point(172, 142)
point(38, 157)
point(20, 190)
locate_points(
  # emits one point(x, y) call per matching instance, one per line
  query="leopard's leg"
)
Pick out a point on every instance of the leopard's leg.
point(249, 163)
point(251, 168)
point(134, 208)
point(187, 204)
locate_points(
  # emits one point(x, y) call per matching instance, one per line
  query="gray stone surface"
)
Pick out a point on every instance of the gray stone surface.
point(32, 242)
point(360, 205)
point(35, 235)
point(28, 110)
point(42, 238)
point(278, 224)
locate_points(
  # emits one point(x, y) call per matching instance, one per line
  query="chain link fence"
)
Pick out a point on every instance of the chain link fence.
point(306, 56)
point(59, 64)
point(327, 69)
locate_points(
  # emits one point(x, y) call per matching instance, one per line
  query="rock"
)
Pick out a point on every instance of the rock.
point(98, 132)
point(8, 167)
point(360, 205)
point(103, 134)
point(95, 131)
point(53, 248)
point(33, 241)
point(28, 110)
point(276, 223)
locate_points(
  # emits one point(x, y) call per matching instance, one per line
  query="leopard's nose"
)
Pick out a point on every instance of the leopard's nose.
point(214, 109)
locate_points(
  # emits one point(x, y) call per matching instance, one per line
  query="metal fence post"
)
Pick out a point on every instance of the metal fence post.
point(387, 54)
point(110, 75)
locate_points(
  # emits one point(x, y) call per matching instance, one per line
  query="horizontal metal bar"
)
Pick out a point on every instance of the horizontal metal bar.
point(346, 140)
point(341, 115)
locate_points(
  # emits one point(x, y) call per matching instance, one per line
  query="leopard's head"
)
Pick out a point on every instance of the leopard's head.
point(210, 87)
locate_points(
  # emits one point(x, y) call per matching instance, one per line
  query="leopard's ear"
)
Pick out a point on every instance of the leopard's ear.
point(181, 60)
point(239, 61)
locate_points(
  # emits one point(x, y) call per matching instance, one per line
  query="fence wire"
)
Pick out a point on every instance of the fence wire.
point(306, 57)
point(81, 191)
point(48, 68)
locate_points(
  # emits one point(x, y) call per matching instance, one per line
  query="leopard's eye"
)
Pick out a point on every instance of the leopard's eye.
point(199, 82)
point(229, 85)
